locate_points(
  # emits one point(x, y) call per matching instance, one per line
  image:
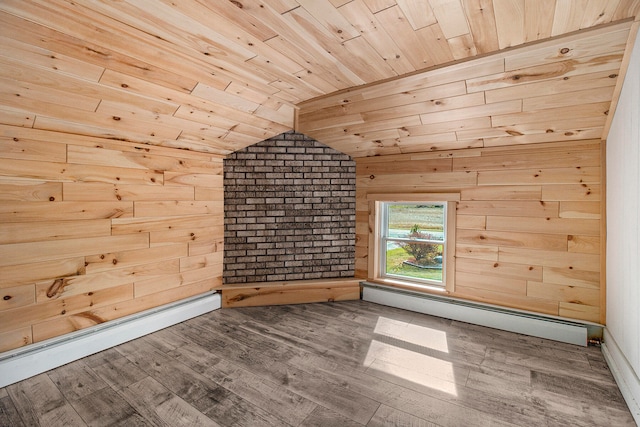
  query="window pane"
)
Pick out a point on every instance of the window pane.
point(413, 245)
point(416, 221)
point(414, 260)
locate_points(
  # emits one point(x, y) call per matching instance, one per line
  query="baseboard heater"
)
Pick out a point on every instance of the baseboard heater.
point(22, 363)
point(512, 320)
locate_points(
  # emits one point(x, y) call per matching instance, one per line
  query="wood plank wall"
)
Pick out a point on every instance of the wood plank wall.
point(94, 229)
point(528, 223)
point(558, 90)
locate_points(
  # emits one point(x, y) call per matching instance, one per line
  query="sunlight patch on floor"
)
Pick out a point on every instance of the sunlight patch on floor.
point(411, 353)
point(414, 334)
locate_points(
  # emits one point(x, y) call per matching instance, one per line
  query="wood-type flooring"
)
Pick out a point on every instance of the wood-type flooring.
point(337, 364)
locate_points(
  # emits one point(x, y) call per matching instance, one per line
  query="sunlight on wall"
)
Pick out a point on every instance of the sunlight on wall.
point(411, 353)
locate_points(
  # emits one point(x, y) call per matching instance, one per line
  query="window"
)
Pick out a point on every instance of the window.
point(413, 241)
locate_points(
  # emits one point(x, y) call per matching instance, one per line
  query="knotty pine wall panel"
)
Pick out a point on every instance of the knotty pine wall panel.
point(557, 90)
point(528, 222)
point(94, 229)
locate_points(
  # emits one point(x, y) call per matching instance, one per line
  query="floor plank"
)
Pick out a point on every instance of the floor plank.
point(106, 408)
point(349, 364)
point(119, 372)
point(76, 380)
point(40, 402)
point(388, 416)
point(161, 407)
point(322, 416)
point(8, 413)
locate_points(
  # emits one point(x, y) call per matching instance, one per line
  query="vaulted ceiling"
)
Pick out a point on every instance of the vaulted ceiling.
point(367, 77)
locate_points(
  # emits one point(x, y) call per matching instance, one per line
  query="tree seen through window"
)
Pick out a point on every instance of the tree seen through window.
point(414, 239)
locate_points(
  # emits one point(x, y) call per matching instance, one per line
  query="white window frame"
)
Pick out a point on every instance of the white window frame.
point(377, 248)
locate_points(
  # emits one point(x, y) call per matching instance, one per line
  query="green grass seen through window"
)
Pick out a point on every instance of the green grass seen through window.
point(396, 265)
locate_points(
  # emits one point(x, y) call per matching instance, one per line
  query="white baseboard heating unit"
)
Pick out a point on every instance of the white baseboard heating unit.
point(512, 320)
point(22, 363)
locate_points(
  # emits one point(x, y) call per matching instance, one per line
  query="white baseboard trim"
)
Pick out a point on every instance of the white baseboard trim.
point(22, 363)
point(492, 316)
point(623, 373)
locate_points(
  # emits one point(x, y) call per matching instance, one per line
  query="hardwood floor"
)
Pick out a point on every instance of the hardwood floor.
point(333, 364)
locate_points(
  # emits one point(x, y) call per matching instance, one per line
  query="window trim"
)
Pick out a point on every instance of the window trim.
point(374, 254)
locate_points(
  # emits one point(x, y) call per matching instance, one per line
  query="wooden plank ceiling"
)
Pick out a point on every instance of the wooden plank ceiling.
point(367, 77)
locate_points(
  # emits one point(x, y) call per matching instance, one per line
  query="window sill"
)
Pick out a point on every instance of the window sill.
point(429, 289)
